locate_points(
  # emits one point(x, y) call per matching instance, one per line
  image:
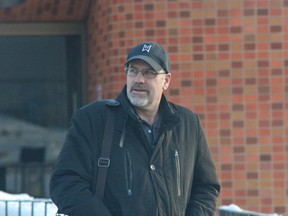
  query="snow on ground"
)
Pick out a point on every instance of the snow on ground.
point(234, 208)
point(23, 204)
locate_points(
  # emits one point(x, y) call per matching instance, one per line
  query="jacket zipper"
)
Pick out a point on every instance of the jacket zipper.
point(128, 172)
point(177, 166)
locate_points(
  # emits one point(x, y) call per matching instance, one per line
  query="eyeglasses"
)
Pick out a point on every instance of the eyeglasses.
point(147, 73)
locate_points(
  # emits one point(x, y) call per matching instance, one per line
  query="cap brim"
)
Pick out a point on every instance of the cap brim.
point(147, 59)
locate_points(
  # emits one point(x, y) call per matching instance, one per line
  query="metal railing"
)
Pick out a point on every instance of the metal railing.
point(30, 178)
point(34, 207)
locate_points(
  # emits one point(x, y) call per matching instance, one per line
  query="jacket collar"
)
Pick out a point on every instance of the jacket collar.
point(170, 118)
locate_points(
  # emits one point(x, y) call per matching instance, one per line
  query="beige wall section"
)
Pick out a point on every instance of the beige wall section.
point(42, 29)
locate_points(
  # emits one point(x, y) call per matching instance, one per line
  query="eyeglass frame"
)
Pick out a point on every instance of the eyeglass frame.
point(142, 72)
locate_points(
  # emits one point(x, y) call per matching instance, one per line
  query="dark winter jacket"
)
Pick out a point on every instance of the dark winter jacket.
point(177, 179)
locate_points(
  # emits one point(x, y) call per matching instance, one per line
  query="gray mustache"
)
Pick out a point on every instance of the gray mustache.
point(139, 87)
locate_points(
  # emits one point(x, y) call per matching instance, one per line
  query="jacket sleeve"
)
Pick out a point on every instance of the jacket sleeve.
point(205, 186)
point(72, 177)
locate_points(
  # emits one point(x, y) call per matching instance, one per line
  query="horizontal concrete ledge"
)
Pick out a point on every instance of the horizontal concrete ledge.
point(49, 28)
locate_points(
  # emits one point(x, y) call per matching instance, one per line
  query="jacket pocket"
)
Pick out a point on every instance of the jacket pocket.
point(128, 172)
point(177, 172)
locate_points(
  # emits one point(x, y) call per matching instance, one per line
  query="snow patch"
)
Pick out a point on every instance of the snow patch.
point(24, 205)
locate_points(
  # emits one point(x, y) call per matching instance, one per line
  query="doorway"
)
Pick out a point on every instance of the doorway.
point(41, 87)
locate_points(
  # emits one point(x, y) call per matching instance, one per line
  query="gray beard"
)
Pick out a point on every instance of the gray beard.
point(136, 101)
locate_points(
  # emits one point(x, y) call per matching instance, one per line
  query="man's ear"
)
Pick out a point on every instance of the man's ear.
point(167, 81)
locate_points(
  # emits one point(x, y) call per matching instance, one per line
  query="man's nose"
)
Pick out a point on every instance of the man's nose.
point(140, 77)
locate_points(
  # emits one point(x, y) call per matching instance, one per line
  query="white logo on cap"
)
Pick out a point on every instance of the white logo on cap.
point(146, 48)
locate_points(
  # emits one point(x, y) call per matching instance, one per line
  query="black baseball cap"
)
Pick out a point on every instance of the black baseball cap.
point(152, 53)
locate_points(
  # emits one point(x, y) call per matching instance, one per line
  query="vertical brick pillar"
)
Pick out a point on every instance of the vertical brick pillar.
point(229, 64)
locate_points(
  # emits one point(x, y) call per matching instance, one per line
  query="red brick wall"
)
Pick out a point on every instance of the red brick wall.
point(229, 64)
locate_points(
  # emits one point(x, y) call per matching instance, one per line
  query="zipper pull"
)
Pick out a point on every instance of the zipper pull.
point(129, 192)
point(177, 167)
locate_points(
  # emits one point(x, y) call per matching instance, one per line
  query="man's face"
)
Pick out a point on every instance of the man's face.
point(145, 93)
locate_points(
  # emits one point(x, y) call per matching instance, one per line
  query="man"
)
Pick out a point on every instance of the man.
point(160, 162)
